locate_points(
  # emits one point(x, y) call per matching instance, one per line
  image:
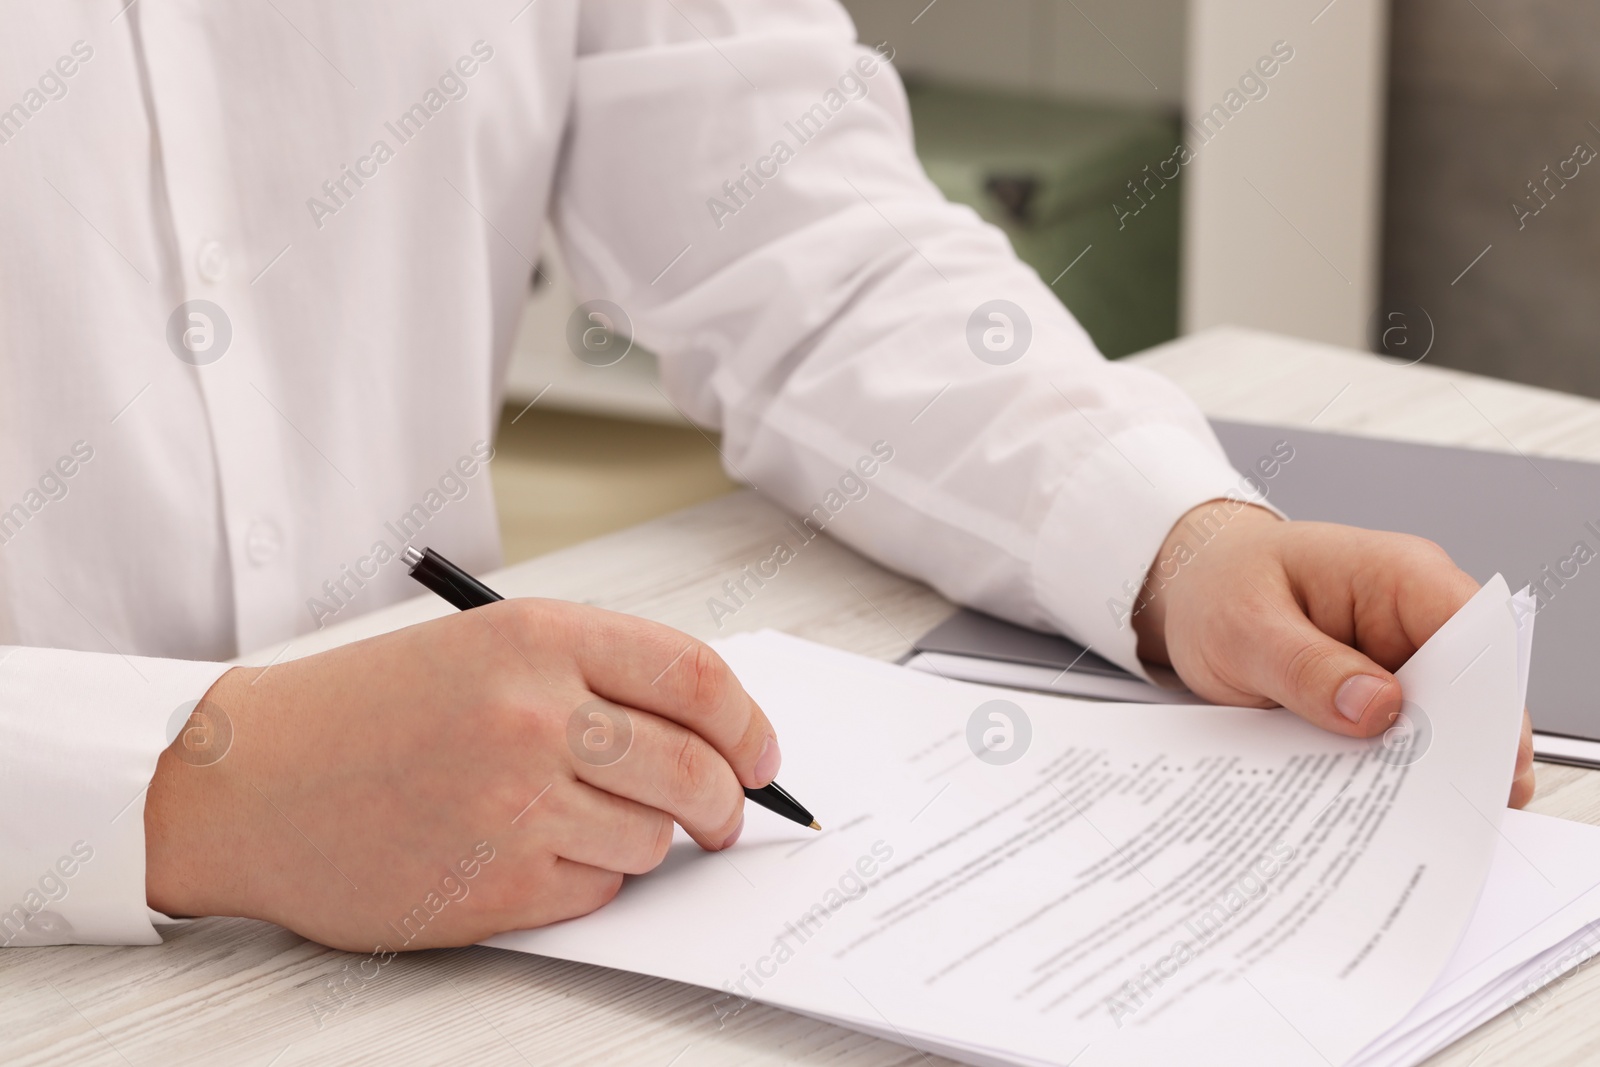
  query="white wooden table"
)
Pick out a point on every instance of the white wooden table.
point(229, 991)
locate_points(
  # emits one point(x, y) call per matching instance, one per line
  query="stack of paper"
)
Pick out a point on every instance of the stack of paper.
point(1538, 918)
point(1013, 878)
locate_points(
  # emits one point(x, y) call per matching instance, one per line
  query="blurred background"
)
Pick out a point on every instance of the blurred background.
point(1412, 177)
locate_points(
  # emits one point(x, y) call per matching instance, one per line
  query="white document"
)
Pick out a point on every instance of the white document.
point(1016, 878)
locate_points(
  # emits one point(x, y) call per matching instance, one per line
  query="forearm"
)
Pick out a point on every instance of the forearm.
point(842, 312)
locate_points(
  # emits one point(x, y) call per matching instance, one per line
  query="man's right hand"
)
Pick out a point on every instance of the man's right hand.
point(361, 785)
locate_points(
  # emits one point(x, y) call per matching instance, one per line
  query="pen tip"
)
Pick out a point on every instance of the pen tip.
point(814, 825)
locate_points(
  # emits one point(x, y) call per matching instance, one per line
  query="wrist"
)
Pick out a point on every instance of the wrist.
point(190, 807)
point(1197, 529)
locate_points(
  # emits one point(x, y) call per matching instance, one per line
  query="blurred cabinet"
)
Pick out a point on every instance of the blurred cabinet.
point(1075, 187)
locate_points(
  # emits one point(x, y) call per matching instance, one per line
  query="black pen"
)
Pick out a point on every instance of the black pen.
point(463, 591)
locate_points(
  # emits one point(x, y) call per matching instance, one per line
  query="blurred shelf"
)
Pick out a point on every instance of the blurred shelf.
point(543, 366)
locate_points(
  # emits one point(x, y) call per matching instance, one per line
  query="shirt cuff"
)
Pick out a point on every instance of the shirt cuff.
point(159, 919)
point(1101, 535)
point(82, 732)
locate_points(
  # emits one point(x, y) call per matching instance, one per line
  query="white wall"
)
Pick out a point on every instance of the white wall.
point(1282, 210)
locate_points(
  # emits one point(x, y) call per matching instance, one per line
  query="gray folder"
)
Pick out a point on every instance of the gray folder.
point(1531, 519)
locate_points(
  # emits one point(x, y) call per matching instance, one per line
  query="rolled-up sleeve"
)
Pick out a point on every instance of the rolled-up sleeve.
point(739, 178)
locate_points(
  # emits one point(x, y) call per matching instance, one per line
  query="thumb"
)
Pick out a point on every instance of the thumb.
point(1324, 681)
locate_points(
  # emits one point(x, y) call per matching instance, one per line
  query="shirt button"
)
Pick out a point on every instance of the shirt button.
point(211, 261)
point(262, 542)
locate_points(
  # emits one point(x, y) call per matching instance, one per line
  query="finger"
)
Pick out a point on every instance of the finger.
point(657, 763)
point(1284, 657)
point(1525, 781)
point(1408, 587)
point(1432, 590)
point(600, 829)
point(657, 669)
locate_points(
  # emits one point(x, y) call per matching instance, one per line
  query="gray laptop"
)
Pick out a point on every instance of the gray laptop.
point(1523, 517)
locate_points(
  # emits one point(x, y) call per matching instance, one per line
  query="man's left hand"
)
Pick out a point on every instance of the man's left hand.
point(1308, 615)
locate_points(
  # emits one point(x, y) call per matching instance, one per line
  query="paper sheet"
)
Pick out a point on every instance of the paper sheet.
point(1010, 877)
point(1535, 921)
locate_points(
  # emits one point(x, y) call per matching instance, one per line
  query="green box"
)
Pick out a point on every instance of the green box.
point(1060, 178)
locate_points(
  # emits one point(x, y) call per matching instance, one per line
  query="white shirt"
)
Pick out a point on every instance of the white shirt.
point(360, 190)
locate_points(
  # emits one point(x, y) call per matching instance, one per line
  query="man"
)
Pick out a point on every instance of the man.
point(265, 265)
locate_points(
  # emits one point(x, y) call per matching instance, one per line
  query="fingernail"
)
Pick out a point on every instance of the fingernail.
point(767, 763)
point(1356, 694)
point(737, 830)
